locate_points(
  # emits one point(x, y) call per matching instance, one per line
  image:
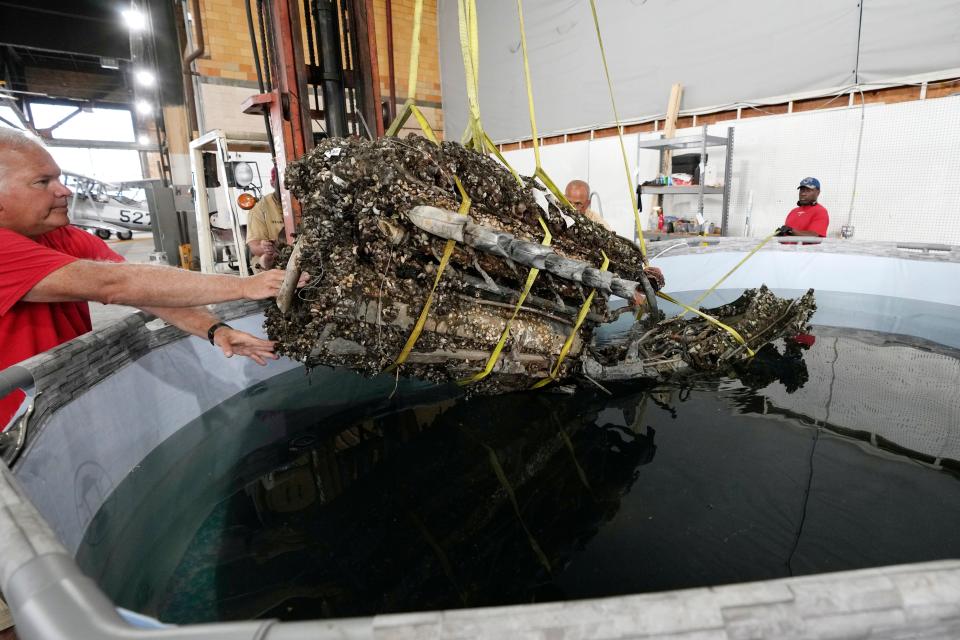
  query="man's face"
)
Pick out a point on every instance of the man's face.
point(275, 183)
point(578, 197)
point(33, 201)
point(808, 195)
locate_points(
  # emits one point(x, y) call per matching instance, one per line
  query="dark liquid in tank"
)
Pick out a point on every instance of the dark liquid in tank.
point(838, 456)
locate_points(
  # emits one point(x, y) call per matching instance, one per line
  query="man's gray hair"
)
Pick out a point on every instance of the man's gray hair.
point(13, 140)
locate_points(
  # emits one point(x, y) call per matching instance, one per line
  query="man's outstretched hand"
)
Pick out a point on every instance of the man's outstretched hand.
point(267, 284)
point(233, 342)
point(784, 231)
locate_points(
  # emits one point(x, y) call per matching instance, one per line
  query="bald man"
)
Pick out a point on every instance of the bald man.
point(49, 270)
point(578, 193)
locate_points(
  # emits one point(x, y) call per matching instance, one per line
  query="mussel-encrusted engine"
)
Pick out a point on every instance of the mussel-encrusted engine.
point(376, 218)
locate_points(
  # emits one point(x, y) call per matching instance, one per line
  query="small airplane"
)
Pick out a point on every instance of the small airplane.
point(108, 208)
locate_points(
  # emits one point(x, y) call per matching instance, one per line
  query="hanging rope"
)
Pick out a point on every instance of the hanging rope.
point(409, 105)
point(473, 136)
point(623, 149)
point(733, 332)
point(538, 172)
point(729, 273)
point(476, 138)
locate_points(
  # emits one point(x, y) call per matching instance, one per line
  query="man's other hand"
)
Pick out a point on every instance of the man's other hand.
point(269, 255)
point(267, 284)
point(784, 231)
point(655, 276)
point(241, 343)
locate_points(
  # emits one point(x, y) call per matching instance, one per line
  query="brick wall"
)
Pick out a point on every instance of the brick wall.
point(228, 51)
point(428, 75)
point(228, 61)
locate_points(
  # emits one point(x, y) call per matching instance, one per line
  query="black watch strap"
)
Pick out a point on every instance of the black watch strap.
point(212, 330)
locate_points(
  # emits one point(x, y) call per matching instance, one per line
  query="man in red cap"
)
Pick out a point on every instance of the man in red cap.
point(808, 218)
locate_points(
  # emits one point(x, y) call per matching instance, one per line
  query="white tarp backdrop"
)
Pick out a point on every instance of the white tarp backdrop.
point(904, 186)
point(722, 53)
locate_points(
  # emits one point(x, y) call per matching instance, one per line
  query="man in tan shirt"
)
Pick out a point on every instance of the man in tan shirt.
point(578, 193)
point(264, 226)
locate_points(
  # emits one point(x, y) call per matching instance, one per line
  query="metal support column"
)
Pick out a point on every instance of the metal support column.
point(289, 104)
point(727, 179)
point(703, 176)
point(366, 67)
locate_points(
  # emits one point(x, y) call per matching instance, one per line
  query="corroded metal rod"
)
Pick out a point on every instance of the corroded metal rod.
point(290, 278)
point(454, 226)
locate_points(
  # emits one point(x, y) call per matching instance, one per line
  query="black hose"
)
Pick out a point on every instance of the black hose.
point(253, 45)
point(331, 67)
point(261, 16)
point(311, 45)
point(257, 66)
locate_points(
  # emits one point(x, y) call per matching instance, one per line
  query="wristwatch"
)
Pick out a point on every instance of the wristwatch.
point(212, 330)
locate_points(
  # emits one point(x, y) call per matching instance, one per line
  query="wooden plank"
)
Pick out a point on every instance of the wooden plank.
point(670, 124)
point(669, 127)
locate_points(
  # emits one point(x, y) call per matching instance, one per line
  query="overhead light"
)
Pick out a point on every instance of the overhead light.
point(145, 78)
point(143, 107)
point(136, 20)
point(144, 140)
point(109, 63)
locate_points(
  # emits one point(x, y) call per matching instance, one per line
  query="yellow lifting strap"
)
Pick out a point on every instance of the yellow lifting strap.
point(415, 50)
point(444, 260)
point(470, 52)
point(474, 136)
point(425, 127)
point(729, 273)
point(539, 172)
point(410, 108)
point(409, 105)
point(488, 143)
point(733, 332)
point(616, 117)
point(418, 327)
point(584, 310)
point(495, 355)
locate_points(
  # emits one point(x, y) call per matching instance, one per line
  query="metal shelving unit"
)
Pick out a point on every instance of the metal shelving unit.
point(701, 141)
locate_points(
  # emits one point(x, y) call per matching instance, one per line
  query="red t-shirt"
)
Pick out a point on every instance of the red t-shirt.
point(29, 328)
point(813, 217)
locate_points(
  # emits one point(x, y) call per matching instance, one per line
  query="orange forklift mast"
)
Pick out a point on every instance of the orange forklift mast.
point(341, 75)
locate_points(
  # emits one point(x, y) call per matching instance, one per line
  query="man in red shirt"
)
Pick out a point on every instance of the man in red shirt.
point(49, 270)
point(808, 218)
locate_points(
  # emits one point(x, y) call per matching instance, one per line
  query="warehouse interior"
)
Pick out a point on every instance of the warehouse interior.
point(480, 319)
